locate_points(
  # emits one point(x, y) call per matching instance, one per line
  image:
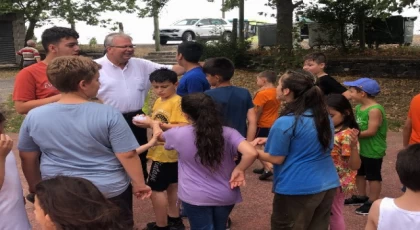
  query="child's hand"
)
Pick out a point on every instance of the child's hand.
point(237, 178)
point(6, 144)
point(259, 141)
point(142, 192)
point(142, 121)
point(155, 137)
point(354, 139)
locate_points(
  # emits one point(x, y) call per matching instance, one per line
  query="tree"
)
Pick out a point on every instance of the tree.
point(284, 18)
point(352, 12)
point(152, 9)
point(37, 12)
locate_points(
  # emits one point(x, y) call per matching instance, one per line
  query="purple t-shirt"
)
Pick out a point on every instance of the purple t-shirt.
point(197, 185)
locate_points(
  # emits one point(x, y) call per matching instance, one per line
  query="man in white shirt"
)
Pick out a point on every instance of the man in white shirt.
point(125, 82)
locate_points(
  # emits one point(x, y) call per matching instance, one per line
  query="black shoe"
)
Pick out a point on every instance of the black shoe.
point(258, 171)
point(364, 209)
point(31, 197)
point(356, 200)
point(265, 175)
point(153, 226)
point(176, 225)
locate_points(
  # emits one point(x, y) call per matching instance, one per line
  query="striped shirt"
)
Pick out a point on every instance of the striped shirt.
point(29, 53)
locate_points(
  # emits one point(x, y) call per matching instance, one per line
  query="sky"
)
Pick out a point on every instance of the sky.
point(141, 29)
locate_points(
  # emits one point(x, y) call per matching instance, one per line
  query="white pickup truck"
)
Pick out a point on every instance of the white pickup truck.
point(192, 28)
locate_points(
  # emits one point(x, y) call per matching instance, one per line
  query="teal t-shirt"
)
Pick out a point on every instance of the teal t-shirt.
point(374, 146)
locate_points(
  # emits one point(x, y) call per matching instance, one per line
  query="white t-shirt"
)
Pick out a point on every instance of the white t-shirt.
point(12, 207)
point(126, 89)
point(391, 217)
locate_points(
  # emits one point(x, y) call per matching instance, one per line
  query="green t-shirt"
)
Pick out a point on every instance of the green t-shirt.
point(374, 146)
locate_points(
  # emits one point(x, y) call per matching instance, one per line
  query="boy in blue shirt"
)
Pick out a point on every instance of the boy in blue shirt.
point(235, 103)
point(194, 79)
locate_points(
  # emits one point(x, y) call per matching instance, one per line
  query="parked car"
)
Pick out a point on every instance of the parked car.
point(192, 28)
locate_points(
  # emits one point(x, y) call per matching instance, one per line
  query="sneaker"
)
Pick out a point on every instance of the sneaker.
point(356, 200)
point(364, 209)
point(265, 175)
point(258, 171)
point(176, 225)
point(153, 226)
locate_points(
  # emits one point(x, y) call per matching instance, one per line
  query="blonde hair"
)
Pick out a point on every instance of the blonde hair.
point(65, 73)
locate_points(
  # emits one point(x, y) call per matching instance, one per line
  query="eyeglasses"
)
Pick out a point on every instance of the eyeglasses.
point(125, 47)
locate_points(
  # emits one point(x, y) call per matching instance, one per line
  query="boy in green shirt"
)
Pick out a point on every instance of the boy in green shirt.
point(373, 128)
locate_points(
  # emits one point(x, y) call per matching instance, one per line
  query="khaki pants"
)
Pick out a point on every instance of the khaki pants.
point(302, 212)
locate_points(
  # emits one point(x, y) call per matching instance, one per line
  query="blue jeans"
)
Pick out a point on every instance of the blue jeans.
point(207, 217)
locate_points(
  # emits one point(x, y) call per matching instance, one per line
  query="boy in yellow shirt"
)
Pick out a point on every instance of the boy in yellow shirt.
point(163, 175)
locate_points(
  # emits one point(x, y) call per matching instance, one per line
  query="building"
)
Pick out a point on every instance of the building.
point(12, 37)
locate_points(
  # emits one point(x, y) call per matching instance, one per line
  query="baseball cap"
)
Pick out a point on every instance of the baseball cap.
point(368, 85)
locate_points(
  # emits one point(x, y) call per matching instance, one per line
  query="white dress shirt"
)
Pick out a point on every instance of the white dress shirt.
point(126, 89)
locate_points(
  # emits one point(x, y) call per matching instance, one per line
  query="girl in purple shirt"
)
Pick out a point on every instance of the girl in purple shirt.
point(208, 178)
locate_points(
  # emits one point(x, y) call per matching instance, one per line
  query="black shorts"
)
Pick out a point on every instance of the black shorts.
point(370, 168)
point(262, 132)
point(161, 175)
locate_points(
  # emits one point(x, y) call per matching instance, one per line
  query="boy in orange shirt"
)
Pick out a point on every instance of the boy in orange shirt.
point(411, 131)
point(267, 108)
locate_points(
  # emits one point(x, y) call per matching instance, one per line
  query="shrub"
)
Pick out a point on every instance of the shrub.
point(235, 51)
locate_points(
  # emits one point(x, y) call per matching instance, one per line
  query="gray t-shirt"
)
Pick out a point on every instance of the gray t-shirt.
point(80, 140)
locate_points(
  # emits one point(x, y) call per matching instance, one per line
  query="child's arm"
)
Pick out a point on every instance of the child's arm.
point(252, 124)
point(165, 126)
point(375, 121)
point(6, 144)
point(249, 154)
point(354, 160)
point(278, 160)
point(372, 221)
point(258, 111)
point(407, 132)
point(152, 142)
point(30, 167)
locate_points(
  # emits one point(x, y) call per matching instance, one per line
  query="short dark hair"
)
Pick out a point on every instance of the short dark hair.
point(162, 75)
point(219, 66)
point(317, 57)
point(407, 167)
point(271, 76)
point(191, 51)
point(65, 73)
point(54, 34)
point(359, 90)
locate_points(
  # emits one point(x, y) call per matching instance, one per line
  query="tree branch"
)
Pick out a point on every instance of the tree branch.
point(297, 4)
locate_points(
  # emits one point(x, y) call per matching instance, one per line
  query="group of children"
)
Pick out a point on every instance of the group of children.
point(315, 147)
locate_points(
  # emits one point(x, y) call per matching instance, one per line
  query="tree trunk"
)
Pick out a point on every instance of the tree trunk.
point(285, 24)
point(223, 11)
point(156, 27)
point(241, 21)
point(343, 36)
point(30, 31)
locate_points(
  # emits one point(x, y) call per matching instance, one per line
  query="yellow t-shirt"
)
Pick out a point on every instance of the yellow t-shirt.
point(169, 112)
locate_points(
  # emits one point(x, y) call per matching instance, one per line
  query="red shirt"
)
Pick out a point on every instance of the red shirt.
point(32, 83)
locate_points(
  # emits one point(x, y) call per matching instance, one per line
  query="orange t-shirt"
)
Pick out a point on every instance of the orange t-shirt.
point(266, 99)
point(414, 115)
point(32, 84)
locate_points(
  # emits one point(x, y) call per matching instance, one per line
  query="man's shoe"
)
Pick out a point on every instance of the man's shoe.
point(356, 200)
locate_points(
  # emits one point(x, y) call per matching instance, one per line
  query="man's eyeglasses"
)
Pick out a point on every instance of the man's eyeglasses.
point(125, 47)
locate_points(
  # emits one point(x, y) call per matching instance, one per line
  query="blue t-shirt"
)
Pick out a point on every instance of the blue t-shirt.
point(193, 81)
point(307, 169)
point(80, 140)
point(234, 103)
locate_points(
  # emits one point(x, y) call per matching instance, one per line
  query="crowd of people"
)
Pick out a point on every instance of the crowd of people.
point(85, 160)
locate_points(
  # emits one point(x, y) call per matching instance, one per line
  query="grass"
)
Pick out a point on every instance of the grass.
point(7, 74)
point(13, 119)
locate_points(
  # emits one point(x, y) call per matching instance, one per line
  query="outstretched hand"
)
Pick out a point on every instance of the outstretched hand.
point(259, 141)
point(142, 192)
point(237, 178)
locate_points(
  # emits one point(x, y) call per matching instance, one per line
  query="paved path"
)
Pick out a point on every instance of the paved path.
point(6, 88)
point(254, 212)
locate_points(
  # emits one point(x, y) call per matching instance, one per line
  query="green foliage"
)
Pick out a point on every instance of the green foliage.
point(13, 119)
point(151, 8)
point(235, 51)
point(93, 42)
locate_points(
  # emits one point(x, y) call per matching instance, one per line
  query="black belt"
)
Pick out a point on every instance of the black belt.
point(130, 115)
